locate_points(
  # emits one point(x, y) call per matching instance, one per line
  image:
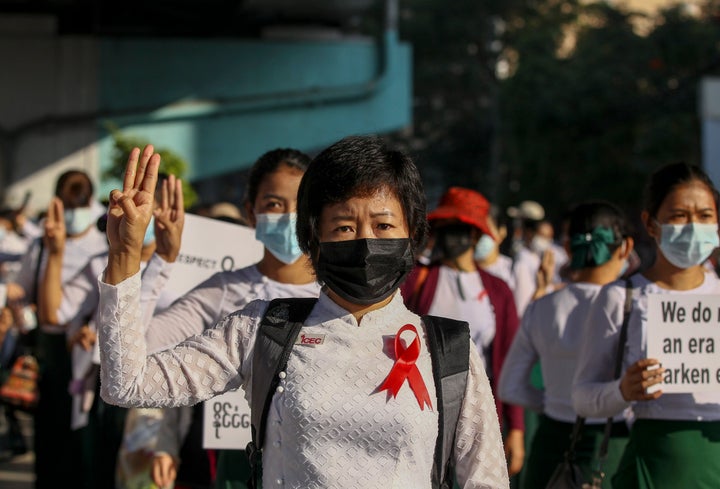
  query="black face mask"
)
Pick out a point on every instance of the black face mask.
point(365, 271)
point(453, 240)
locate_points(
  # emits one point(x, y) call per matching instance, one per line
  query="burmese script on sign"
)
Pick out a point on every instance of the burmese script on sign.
point(683, 332)
point(210, 246)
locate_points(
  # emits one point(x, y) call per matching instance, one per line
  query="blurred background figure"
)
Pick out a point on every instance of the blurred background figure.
point(454, 286)
point(487, 250)
point(17, 233)
point(537, 259)
point(56, 447)
point(551, 333)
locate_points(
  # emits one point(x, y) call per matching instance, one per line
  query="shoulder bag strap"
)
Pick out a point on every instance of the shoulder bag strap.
point(449, 345)
point(618, 363)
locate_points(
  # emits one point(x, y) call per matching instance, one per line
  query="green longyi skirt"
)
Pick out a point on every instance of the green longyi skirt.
point(666, 454)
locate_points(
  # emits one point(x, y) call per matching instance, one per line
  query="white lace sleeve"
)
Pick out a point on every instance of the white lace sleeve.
point(154, 278)
point(195, 370)
point(479, 455)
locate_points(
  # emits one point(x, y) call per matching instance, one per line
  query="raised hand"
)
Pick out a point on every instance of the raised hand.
point(169, 220)
point(55, 233)
point(129, 214)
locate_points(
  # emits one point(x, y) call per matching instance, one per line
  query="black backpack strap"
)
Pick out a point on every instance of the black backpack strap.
point(449, 344)
point(274, 341)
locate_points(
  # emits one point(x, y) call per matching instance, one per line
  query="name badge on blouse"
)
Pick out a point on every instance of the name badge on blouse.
point(310, 339)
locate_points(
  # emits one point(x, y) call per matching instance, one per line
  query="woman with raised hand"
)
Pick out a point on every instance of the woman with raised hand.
point(552, 332)
point(73, 306)
point(361, 218)
point(283, 271)
point(675, 438)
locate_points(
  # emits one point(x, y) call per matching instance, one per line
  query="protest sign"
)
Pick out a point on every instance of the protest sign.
point(682, 333)
point(210, 246)
point(226, 422)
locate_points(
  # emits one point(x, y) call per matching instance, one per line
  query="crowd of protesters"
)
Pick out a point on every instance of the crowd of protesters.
point(549, 307)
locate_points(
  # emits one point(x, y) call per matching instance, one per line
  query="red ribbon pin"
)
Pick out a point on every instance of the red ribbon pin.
point(405, 368)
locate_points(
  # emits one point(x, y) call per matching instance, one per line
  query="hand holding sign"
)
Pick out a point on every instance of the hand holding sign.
point(129, 215)
point(170, 220)
point(682, 331)
point(639, 377)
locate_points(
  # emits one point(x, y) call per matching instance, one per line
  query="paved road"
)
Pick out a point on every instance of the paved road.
point(16, 472)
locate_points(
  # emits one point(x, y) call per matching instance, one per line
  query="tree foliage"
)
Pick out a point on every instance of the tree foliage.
point(170, 162)
point(590, 99)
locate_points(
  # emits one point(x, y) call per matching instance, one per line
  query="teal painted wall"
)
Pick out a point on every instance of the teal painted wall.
point(221, 103)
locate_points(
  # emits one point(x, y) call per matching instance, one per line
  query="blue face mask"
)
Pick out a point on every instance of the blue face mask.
point(150, 233)
point(687, 245)
point(623, 268)
point(77, 220)
point(484, 247)
point(277, 233)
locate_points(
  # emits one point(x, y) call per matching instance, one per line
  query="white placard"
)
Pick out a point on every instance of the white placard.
point(683, 332)
point(226, 422)
point(210, 246)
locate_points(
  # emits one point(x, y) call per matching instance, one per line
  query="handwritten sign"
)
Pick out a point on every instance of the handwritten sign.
point(210, 246)
point(683, 333)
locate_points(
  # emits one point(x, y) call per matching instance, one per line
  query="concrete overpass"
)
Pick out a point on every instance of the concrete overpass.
point(217, 81)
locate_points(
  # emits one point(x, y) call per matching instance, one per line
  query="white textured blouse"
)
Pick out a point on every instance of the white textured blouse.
point(328, 426)
point(212, 300)
point(595, 393)
point(551, 332)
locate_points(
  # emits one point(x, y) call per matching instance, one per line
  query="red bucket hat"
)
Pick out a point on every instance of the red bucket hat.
point(466, 206)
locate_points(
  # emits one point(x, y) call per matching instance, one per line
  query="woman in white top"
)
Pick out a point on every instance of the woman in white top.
point(72, 305)
point(551, 332)
point(675, 439)
point(54, 442)
point(283, 271)
point(361, 218)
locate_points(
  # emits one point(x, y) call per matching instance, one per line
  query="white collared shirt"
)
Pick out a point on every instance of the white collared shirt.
point(551, 332)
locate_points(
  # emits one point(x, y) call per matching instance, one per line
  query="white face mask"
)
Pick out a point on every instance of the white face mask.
point(77, 220)
point(540, 244)
point(687, 245)
point(484, 247)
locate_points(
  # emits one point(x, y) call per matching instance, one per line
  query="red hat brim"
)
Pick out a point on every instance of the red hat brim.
point(448, 212)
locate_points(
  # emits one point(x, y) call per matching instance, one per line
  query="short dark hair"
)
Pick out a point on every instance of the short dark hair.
point(358, 166)
point(80, 191)
point(268, 163)
point(666, 178)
